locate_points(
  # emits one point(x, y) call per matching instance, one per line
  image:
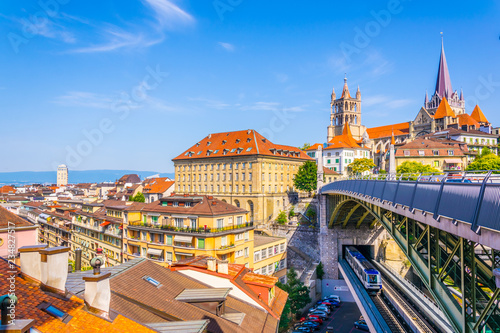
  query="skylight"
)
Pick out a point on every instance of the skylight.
point(249, 148)
point(152, 281)
point(55, 312)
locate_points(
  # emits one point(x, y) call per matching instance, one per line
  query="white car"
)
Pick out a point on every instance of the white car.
point(334, 297)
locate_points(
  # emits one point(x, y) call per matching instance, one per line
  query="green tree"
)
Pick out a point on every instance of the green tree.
point(281, 219)
point(139, 197)
point(320, 272)
point(285, 318)
point(305, 146)
point(486, 162)
point(360, 165)
point(305, 179)
point(298, 293)
point(291, 213)
point(311, 213)
point(484, 152)
point(415, 167)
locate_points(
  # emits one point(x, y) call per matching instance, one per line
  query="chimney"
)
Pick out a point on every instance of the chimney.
point(211, 263)
point(9, 323)
point(97, 288)
point(78, 260)
point(54, 269)
point(223, 267)
point(31, 262)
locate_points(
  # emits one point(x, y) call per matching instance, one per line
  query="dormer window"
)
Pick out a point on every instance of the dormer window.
point(249, 139)
point(224, 152)
point(176, 204)
point(198, 144)
point(208, 143)
point(187, 204)
point(239, 150)
point(238, 140)
point(224, 142)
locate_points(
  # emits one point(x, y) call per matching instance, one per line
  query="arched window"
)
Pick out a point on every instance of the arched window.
point(236, 203)
point(250, 209)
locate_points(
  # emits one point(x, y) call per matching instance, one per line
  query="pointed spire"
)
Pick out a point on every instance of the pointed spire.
point(461, 94)
point(358, 93)
point(426, 101)
point(345, 90)
point(443, 82)
point(393, 141)
point(333, 95)
point(479, 116)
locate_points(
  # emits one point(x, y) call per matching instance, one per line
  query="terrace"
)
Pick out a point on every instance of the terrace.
point(140, 225)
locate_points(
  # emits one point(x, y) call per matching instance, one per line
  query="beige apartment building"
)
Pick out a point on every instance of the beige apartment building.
point(242, 168)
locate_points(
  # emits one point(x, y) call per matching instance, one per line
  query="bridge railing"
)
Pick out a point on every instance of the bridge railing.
point(468, 196)
point(492, 176)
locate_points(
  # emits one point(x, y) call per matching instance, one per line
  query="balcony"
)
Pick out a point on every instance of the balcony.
point(225, 249)
point(201, 230)
point(113, 232)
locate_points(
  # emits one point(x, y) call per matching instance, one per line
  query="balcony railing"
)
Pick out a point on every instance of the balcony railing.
point(200, 230)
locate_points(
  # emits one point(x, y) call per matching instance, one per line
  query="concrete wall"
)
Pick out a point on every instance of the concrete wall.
point(336, 287)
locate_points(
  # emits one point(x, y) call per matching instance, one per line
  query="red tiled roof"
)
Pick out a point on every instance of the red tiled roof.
point(6, 217)
point(314, 147)
point(30, 296)
point(386, 131)
point(444, 110)
point(6, 189)
point(345, 140)
point(327, 171)
point(478, 115)
point(239, 143)
point(157, 185)
point(427, 145)
point(210, 207)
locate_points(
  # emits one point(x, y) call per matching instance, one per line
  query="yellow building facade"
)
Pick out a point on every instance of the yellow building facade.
point(270, 256)
point(185, 226)
point(242, 168)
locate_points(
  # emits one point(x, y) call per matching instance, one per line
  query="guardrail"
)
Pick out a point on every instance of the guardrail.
point(471, 197)
point(200, 230)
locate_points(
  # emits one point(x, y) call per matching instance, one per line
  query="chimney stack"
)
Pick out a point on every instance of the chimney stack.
point(30, 258)
point(54, 269)
point(223, 267)
point(211, 264)
point(97, 289)
point(78, 260)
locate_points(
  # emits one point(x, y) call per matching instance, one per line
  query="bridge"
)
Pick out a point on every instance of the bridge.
point(447, 225)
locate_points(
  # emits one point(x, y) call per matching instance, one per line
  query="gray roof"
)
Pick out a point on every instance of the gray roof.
point(190, 326)
point(76, 285)
point(203, 295)
point(259, 240)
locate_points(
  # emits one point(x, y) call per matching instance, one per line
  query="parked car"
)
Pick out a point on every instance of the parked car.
point(330, 305)
point(304, 329)
point(321, 316)
point(314, 319)
point(334, 297)
point(361, 325)
point(313, 325)
point(331, 300)
point(324, 307)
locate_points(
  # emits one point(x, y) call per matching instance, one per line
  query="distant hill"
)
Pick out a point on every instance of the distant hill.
point(74, 177)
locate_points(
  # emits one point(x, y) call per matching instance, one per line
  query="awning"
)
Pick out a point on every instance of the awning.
point(155, 252)
point(183, 254)
point(453, 161)
point(120, 227)
point(153, 214)
point(105, 223)
point(183, 239)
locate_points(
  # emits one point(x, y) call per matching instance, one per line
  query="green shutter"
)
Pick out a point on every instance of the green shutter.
point(201, 243)
point(145, 218)
point(169, 240)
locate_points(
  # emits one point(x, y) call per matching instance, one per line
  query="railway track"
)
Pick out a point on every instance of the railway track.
point(418, 319)
point(388, 314)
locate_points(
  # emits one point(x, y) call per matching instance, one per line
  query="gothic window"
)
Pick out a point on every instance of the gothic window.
point(355, 117)
point(356, 107)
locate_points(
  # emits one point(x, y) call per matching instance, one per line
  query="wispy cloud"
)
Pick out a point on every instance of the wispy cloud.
point(46, 28)
point(281, 77)
point(117, 38)
point(84, 99)
point(371, 62)
point(168, 14)
point(227, 46)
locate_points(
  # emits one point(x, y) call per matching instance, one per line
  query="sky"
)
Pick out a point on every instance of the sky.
point(132, 84)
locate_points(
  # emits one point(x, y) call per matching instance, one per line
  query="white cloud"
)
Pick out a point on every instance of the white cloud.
point(168, 14)
point(227, 46)
point(116, 39)
point(84, 99)
point(48, 29)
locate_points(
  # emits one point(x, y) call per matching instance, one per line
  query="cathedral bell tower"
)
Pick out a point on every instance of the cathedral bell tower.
point(345, 110)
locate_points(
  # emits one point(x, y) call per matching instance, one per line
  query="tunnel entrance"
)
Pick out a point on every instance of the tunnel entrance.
point(367, 250)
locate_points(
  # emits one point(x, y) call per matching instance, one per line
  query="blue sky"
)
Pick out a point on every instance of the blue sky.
point(131, 84)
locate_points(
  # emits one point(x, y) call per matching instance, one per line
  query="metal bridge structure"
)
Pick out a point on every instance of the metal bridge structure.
point(448, 226)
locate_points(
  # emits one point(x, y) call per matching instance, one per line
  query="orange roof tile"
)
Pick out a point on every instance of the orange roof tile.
point(30, 296)
point(444, 110)
point(345, 140)
point(314, 147)
point(7, 189)
point(465, 119)
point(478, 115)
point(157, 185)
point(239, 143)
point(388, 130)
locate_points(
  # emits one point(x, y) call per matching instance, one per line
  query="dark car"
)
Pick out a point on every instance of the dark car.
point(361, 325)
point(304, 329)
point(333, 302)
point(311, 324)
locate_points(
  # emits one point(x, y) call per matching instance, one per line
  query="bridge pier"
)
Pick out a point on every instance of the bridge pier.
point(332, 240)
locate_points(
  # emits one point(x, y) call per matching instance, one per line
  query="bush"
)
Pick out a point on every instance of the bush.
point(291, 213)
point(281, 219)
